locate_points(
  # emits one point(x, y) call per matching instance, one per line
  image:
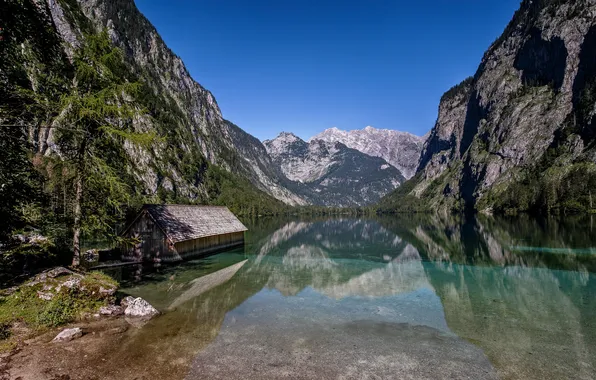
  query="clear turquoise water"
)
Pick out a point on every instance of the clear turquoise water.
point(408, 297)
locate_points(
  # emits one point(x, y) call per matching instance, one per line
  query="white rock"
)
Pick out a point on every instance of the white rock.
point(126, 301)
point(140, 308)
point(68, 335)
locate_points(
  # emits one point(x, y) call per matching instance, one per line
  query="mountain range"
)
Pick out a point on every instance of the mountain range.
point(195, 135)
point(400, 149)
point(519, 135)
point(330, 173)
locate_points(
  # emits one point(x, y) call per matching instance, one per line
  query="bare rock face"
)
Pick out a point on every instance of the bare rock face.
point(68, 335)
point(531, 95)
point(139, 308)
point(203, 133)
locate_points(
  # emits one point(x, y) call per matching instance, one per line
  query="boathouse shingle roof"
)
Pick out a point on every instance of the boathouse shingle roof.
point(188, 222)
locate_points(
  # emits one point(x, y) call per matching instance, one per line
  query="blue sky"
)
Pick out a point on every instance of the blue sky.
point(306, 65)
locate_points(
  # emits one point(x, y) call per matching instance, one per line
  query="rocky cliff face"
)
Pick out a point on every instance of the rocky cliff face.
point(182, 111)
point(520, 134)
point(400, 149)
point(331, 174)
point(220, 141)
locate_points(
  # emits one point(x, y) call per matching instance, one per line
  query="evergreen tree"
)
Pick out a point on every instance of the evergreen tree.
point(94, 121)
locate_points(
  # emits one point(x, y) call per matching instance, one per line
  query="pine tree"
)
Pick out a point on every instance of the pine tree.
point(94, 121)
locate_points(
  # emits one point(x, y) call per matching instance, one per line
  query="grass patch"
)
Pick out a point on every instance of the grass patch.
point(95, 284)
point(65, 306)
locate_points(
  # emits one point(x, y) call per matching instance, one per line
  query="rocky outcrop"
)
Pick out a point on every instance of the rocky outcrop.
point(58, 281)
point(442, 146)
point(68, 334)
point(525, 117)
point(331, 174)
point(400, 149)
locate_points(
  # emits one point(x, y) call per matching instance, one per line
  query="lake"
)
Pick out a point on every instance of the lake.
point(420, 297)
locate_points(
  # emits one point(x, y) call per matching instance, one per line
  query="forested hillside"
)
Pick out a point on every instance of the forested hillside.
point(91, 129)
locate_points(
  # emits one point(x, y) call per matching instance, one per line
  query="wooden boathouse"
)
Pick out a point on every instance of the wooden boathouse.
point(165, 233)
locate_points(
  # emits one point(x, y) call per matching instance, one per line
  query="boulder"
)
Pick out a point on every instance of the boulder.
point(126, 301)
point(68, 335)
point(32, 237)
point(140, 308)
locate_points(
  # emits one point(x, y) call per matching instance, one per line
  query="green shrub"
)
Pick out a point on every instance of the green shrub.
point(59, 311)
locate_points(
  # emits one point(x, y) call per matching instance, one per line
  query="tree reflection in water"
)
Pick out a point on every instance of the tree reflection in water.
point(428, 280)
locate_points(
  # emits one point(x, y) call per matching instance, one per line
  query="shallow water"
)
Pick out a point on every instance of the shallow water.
point(405, 297)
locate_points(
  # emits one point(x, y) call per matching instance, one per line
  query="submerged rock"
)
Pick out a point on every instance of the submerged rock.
point(68, 335)
point(140, 308)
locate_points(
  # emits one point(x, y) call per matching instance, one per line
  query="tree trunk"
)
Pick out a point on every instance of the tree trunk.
point(76, 240)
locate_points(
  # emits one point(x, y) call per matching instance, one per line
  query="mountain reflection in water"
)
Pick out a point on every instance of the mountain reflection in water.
point(426, 297)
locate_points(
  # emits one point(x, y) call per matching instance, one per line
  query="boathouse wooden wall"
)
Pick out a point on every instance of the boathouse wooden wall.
point(207, 244)
point(154, 246)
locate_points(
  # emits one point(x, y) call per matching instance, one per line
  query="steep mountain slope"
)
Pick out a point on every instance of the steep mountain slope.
point(400, 149)
point(331, 174)
point(520, 135)
point(181, 110)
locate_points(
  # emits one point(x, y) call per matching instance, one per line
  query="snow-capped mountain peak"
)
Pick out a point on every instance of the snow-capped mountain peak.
point(329, 173)
point(400, 149)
